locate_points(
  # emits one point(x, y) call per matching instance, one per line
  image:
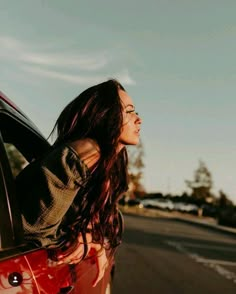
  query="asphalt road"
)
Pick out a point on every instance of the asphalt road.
point(168, 256)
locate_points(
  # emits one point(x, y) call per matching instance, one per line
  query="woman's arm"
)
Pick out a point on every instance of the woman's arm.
point(94, 250)
point(47, 188)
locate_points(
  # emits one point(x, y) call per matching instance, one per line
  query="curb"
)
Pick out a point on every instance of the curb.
point(198, 222)
point(229, 231)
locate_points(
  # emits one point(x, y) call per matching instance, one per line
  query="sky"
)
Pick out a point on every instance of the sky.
point(176, 59)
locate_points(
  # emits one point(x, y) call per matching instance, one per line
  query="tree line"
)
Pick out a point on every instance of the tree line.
point(219, 206)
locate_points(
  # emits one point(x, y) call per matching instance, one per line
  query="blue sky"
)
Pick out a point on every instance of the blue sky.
point(176, 58)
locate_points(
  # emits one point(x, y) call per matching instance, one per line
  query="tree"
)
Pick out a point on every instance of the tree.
point(16, 159)
point(135, 170)
point(201, 184)
point(223, 200)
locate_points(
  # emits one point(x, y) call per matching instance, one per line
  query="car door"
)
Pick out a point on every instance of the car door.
point(23, 268)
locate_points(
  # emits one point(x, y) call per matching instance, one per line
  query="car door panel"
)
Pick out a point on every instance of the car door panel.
point(16, 277)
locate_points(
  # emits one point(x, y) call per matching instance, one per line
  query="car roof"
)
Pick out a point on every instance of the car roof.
point(4, 98)
point(9, 106)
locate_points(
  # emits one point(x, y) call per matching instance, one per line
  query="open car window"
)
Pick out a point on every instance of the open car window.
point(20, 143)
point(23, 137)
point(16, 160)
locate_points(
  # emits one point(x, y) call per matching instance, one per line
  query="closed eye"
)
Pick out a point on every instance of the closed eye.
point(132, 111)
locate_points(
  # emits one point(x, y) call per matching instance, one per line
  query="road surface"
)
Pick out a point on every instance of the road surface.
point(160, 255)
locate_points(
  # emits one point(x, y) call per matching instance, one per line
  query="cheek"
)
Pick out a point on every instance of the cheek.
point(128, 137)
point(126, 127)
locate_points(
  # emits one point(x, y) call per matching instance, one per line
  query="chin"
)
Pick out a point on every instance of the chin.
point(133, 142)
point(129, 141)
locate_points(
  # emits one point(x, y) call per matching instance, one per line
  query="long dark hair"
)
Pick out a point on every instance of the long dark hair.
point(97, 114)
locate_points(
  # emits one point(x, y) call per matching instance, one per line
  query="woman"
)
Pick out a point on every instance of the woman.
point(68, 198)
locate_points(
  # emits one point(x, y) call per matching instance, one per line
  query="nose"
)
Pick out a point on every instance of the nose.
point(138, 118)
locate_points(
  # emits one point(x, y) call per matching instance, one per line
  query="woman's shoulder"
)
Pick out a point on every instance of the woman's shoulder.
point(87, 150)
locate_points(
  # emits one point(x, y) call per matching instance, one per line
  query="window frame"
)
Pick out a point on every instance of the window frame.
point(11, 230)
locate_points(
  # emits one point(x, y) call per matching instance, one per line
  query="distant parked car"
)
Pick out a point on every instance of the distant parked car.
point(186, 207)
point(164, 204)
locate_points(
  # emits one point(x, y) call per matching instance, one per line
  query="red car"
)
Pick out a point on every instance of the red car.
point(23, 267)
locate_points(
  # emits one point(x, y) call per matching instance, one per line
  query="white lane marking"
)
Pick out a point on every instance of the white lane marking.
point(217, 261)
point(206, 262)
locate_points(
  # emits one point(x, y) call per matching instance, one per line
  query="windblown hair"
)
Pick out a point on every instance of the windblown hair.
point(97, 114)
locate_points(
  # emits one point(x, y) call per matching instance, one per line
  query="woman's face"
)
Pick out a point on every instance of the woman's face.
point(131, 122)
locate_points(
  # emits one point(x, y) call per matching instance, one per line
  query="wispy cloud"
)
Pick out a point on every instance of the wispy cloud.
point(123, 76)
point(72, 78)
point(69, 60)
point(12, 48)
point(62, 66)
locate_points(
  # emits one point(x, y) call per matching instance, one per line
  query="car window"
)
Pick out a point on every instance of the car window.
point(19, 144)
point(22, 136)
point(16, 159)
